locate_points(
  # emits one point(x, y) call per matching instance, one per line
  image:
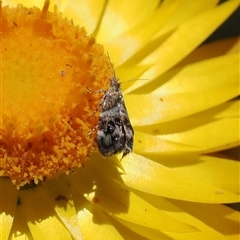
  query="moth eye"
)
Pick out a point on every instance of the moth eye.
point(110, 127)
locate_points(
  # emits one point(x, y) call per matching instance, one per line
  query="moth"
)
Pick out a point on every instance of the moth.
point(115, 132)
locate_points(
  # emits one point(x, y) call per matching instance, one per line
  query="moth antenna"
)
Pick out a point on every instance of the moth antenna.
point(114, 73)
point(131, 80)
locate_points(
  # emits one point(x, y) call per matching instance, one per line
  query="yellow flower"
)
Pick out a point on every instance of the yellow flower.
point(184, 112)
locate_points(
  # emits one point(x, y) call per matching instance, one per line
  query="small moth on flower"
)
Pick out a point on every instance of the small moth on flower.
point(114, 130)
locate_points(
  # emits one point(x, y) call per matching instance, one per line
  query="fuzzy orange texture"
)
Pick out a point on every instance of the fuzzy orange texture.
point(46, 111)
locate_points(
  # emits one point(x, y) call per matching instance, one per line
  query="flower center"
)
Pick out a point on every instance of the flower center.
point(46, 111)
point(36, 76)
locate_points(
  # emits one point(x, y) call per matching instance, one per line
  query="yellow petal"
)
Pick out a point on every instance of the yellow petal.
point(128, 75)
point(184, 12)
point(71, 190)
point(204, 52)
point(145, 232)
point(206, 235)
point(7, 206)
point(67, 213)
point(219, 217)
point(113, 197)
point(190, 91)
point(87, 13)
point(148, 144)
point(91, 218)
point(210, 137)
point(131, 41)
point(187, 10)
point(20, 228)
point(209, 170)
point(60, 193)
point(202, 77)
point(138, 211)
point(94, 221)
point(204, 230)
point(212, 50)
point(38, 221)
point(118, 17)
point(132, 231)
point(223, 111)
point(186, 38)
point(171, 182)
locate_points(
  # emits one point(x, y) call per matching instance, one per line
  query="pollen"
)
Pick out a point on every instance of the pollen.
point(47, 113)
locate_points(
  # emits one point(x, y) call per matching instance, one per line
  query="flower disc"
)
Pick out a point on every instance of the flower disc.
point(47, 113)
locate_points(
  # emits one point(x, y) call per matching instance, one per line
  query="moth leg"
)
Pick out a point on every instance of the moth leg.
point(93, 130)
point(96, 91)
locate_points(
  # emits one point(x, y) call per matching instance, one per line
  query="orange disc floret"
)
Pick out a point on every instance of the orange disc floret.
point(46, 111)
